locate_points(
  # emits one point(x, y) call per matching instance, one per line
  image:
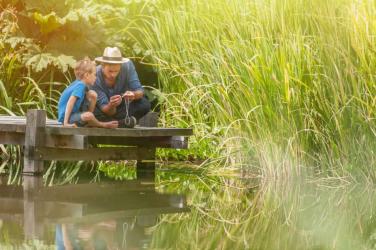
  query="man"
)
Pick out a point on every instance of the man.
point(118, 86)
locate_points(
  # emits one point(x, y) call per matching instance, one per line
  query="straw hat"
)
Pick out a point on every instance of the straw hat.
point(111, 55)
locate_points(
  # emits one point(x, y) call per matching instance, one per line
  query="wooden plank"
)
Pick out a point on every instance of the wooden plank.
point(18, 124)
point(11, 206)
point(90, 154)
point(14, 209)
point(66, 141)
point(155, 141)
point(119, 132)
point(10, 117)
point(92, 218)
point(9, 126)
point(22, 120)
point(47, 208)
point(76, 192)
point(134, 200)
point(12, 138)
point(14, 217)
point(129, 137)
point(82, 142)
point(58, 141)
point(11, 191)
point(34, 137)
point(12, 127)
point(61, 209)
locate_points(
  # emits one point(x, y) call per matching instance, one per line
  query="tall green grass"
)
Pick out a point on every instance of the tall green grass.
point(265, 82)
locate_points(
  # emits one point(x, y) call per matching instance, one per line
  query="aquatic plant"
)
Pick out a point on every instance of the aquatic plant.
point(262, 81)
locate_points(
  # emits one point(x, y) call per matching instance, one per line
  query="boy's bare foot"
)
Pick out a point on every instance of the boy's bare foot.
point(73, 125)
point(111, 124)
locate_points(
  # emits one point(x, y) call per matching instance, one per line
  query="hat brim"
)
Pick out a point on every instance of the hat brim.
point(100, 59)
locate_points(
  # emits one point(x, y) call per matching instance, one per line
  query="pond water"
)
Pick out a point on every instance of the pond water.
point(187, 210)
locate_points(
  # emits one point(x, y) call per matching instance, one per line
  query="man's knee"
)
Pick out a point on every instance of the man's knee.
point(143, 106)
point(140, 107)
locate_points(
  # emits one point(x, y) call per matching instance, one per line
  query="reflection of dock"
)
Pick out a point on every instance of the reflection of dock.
point(36, 206)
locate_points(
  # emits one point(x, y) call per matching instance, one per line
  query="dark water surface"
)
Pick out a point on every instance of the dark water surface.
point(187, 210)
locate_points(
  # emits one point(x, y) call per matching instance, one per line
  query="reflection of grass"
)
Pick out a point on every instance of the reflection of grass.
point(32, 244)
point(12, 237)
point(123, 170)
point(226, 214)
point(293, 78)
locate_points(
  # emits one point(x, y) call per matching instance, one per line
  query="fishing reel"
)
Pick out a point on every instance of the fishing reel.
point(130, 122)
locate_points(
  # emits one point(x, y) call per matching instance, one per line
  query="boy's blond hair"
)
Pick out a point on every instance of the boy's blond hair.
point(84, 66)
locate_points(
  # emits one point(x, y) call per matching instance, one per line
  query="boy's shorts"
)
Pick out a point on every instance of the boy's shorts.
point(76, 117)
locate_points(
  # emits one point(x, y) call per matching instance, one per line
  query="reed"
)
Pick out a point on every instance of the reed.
point(292, 78)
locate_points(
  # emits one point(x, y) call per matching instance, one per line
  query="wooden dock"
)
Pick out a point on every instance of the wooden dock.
point(43, 139)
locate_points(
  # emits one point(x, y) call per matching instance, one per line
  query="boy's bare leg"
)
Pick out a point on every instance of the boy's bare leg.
point(93, 122)
point(91, 95)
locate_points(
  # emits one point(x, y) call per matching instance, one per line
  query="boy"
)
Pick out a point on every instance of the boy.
point(77, 103)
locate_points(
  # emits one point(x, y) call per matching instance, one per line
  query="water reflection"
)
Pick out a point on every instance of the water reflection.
point(230, 213)
point(104, 215)
point(225, 213)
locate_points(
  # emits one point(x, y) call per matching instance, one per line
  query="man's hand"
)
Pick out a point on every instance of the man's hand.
point(110, 108)
point(115, 100)
point(129, 95)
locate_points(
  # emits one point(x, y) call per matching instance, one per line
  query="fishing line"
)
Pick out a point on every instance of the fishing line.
point(129, 121)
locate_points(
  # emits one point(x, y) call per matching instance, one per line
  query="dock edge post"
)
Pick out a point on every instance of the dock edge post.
point(145, 168)
point(33, 222)
point(34, 137)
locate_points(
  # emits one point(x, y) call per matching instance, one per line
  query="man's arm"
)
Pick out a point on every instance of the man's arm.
point(138, 94)
point(135, 91)
point(107, 104)
point(133, 95)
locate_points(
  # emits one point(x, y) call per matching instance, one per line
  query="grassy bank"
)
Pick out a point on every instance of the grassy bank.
point(270, 85)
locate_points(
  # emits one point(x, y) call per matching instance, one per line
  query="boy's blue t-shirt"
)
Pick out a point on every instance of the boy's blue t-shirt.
point(76, 88)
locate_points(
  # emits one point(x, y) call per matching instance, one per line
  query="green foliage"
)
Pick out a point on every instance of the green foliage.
point(41, 61)
point(123, 20)
point(44, 28)
point(265, 82)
